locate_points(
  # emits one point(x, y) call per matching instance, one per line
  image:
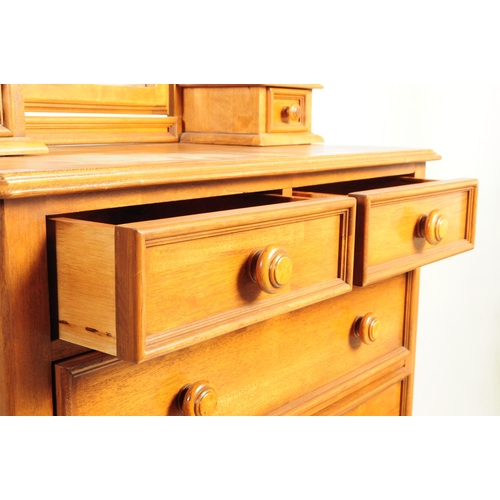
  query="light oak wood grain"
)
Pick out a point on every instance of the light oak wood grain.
point(197, 170)
point(25, 346)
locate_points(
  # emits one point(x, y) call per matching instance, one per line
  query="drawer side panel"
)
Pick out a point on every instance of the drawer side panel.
point(85, 266)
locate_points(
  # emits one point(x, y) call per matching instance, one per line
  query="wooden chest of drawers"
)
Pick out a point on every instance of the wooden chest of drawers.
point(190, 279)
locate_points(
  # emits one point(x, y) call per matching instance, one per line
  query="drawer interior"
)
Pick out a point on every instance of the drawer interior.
point(166, 210)
point(344, 188)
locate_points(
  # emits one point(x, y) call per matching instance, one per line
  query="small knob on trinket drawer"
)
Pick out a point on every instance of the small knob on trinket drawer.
point(291, 113)
point(432, 227)
point(270, 268)
point(367, 328)
point(198, 399)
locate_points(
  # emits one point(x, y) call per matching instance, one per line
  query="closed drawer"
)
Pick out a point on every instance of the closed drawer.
point(404, 223)
point(139, 282)
point(384, 397)
point(255, 370)
point(288, 110)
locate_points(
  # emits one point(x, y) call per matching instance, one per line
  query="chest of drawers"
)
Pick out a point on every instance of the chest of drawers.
point(228, 280)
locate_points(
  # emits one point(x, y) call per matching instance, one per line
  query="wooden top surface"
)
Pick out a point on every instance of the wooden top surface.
point(69, 169)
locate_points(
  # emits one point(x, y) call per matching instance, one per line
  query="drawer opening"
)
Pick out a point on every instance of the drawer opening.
point(170, 209)
point(344, 188)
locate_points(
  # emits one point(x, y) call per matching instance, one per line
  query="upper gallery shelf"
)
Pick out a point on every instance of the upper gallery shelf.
point(35, 115)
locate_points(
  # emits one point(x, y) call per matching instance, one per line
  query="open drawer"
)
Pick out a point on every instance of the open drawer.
point(139, 282)
point(403, 223)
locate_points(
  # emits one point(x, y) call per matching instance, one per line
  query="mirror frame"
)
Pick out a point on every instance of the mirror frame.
point(95, 98)
point(58, 114)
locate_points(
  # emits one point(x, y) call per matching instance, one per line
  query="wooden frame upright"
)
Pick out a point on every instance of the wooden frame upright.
point(13, 140)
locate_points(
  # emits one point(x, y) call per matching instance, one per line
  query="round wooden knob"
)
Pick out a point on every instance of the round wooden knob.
point(367, 328)
point(198, 399)
point(433, 227)
point(291, 113)
point(270, 268)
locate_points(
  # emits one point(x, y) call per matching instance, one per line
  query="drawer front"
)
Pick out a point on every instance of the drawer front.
point(402, 228)
point(387, 403)
point(253, 371)
point(385, 397)
point(143, 289)
point(288, 110)
point(407, 223)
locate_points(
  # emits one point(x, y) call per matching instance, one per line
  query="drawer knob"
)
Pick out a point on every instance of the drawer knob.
point(291, 113)
point(367, 328)
point(432, 227)
point(198, 399)
point(270, 268)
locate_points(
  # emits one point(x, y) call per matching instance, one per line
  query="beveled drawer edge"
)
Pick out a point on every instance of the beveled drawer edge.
point(67, 371)
point(84, 363)
point(321, 398)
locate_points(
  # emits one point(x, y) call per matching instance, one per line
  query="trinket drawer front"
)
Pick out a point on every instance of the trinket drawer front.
point(290, 293)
